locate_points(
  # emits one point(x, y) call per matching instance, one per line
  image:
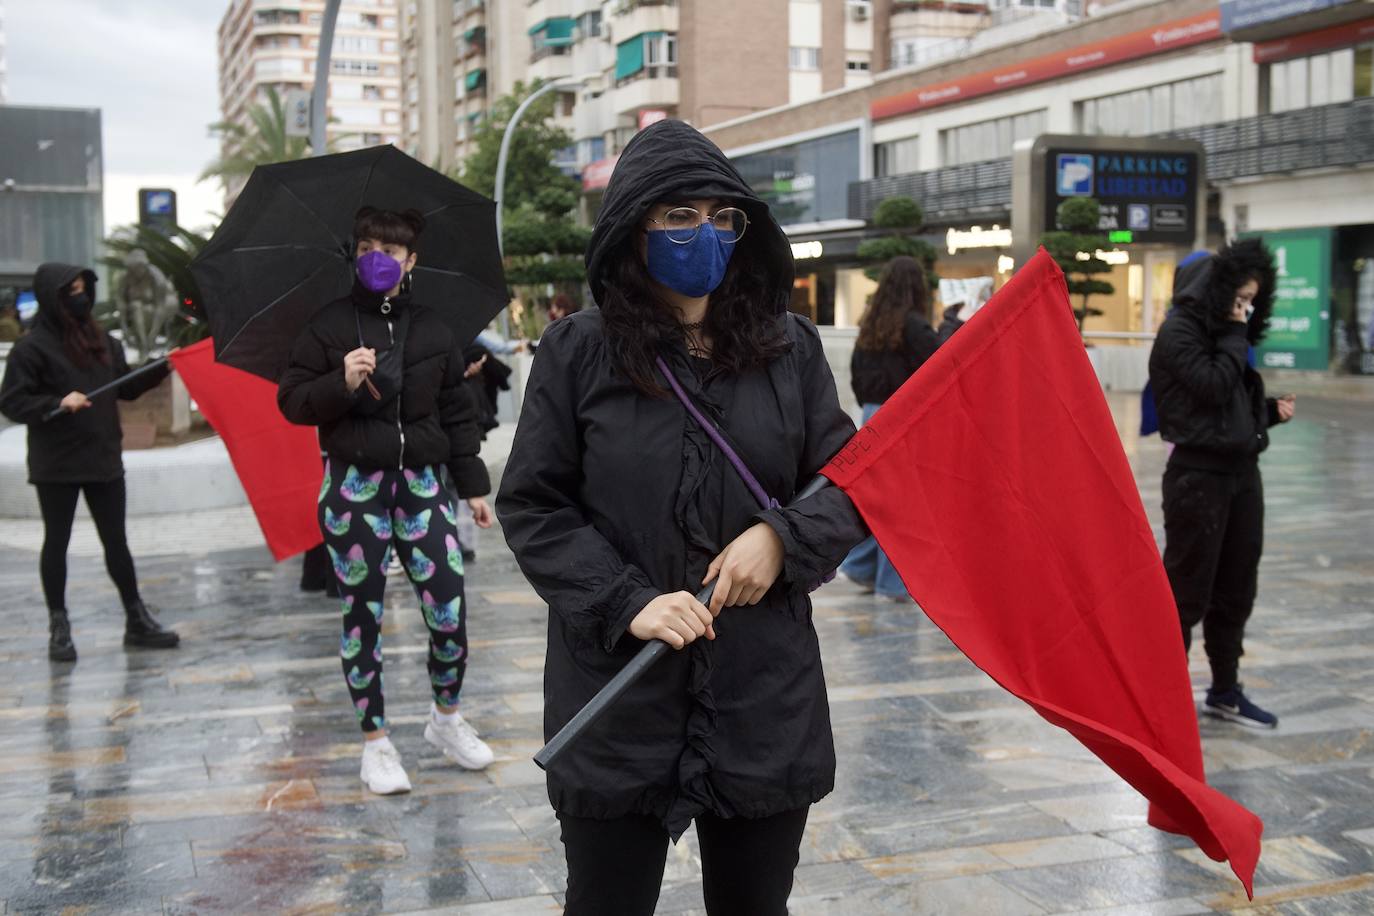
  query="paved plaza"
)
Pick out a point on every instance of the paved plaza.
point(224, 776)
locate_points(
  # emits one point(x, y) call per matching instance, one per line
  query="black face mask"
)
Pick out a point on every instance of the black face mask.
point(78, 306)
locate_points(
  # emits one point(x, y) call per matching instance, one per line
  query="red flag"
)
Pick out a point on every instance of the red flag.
point(996, 483)
point(278, 463)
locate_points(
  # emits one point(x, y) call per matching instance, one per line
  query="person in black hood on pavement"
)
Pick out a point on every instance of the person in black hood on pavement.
point(79, 451)
point(1213, 409)
point(619, 507)
point(382, 378)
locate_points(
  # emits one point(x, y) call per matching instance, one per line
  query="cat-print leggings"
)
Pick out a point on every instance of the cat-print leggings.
point(364, 514)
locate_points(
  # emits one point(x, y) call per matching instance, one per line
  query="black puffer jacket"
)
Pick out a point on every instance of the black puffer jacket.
point(432, 420)
point(875, 375)
point(82, 447)
point(1211, 403)
point(612, 497)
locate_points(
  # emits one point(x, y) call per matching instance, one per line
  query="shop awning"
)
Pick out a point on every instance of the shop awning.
point(629, 55)
point(556, 30)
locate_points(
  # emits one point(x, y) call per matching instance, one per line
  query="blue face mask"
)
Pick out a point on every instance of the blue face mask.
point(694, 269)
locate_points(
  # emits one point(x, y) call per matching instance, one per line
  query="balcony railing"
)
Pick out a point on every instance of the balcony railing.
point(1327, 136)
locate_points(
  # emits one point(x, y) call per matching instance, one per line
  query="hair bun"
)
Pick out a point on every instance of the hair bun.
point(364, 212)
point(415, 219)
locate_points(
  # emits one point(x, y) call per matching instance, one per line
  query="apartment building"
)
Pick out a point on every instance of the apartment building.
point(264, 43)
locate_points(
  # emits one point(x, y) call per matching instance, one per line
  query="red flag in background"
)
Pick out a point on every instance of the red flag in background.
point(278, 463)
point(996, 483)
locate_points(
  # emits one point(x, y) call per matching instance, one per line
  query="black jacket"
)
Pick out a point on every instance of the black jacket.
point(1211, 403)
point(431, 420)
point(611, 498)
point(875, 375)
point(82, 447)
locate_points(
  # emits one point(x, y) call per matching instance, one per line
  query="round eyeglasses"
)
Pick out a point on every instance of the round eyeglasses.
point(683, 223)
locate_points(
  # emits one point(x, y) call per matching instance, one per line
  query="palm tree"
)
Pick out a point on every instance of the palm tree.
point(262, 141)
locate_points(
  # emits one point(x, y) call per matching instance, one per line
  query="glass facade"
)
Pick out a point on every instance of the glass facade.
point(789, 177)
point(1154, 109)
point(897, 157)
point(1318, 79)
point(989, 139)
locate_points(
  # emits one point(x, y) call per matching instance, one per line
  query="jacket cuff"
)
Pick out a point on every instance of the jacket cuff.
point(795, 573)
point(470, 477)
point(1271, 410)
point(619, 625)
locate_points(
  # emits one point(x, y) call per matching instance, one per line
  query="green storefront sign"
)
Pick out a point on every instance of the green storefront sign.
point(1300, 330)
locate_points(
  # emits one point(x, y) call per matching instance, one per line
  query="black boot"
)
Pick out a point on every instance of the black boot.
point(141, 629)
point(60, 645)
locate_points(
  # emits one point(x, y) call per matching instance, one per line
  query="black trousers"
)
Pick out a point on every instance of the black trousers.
point(106, 501)
point(1214, 535)
point(615, 867)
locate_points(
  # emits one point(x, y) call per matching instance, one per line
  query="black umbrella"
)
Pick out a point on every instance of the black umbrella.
point(284, 250)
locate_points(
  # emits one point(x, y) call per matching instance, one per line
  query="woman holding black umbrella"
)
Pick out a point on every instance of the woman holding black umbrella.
point(77, 452)
point(382, 378)
point(619, 507)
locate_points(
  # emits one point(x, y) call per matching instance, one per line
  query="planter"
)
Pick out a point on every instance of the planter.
point(164, 412)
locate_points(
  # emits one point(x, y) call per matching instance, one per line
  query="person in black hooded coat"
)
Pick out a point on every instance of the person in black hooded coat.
point(1212, 408)
point(78, 452)
point(618, 508)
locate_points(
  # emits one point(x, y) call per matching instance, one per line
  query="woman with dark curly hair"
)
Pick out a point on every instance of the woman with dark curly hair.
point(619, 507)
point(895, 339)
point(1213, 409)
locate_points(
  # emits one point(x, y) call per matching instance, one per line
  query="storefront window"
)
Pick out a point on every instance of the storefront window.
point(1155, 109)
point(1318, 79)
point(989, 139)
point(897, 157)
point(805, 182)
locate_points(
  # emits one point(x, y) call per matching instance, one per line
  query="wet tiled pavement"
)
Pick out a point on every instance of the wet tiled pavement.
point(223, 776)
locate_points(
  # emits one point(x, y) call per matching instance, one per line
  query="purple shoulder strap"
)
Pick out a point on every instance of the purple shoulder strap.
point(750, 481)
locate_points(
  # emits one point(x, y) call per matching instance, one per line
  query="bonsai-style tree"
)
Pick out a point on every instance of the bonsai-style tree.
point(1074, 247)
point(904, 218)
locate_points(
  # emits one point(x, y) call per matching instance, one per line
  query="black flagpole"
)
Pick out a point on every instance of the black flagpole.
point(146, 367)
point(634, 670)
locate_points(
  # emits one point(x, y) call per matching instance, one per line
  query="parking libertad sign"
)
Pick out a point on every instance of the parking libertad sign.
point(1153, 195)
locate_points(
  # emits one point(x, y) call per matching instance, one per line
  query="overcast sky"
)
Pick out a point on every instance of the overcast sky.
point(149, 65)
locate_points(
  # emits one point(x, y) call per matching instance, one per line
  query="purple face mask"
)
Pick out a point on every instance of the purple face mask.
point(379, 271)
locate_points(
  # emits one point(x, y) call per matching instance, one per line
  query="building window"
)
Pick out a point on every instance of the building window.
point(589, 25)
point(1319, 79)
point(897, 157)
point(989, 139)
point(804, 58)
point(807, 181)
point(1154, 109)
point(856, 65)
point(651, 55)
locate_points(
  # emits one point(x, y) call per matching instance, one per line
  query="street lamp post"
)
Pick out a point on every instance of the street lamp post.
point(505, 149)
point(319, 93)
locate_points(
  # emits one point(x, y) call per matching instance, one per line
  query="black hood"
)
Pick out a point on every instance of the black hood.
point(1206, 287)
point(671, 160)
point(48, 281)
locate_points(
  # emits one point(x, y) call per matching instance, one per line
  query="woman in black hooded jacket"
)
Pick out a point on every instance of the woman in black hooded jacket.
point(1212, 408)
point(79, 451)
point(619, 507)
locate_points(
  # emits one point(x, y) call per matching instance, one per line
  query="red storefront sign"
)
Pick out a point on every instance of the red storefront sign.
point(1338, 36)
point(1170, 36)
point(651, 116)
point(598, 174)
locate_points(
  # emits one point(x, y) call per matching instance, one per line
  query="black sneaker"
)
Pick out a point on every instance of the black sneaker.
point(1233, 706)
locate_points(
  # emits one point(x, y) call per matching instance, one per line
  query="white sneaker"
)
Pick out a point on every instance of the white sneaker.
point(458, 740)
point(382, 772)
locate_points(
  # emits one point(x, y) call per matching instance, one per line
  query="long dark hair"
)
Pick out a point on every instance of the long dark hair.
point(638, 323)
point(901, 290)
point(83, 339)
